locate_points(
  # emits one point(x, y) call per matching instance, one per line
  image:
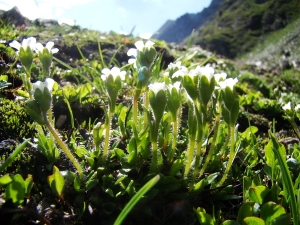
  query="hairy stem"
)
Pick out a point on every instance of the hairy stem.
point(64, 147)
point(212, 146)
point(107, 136)
point(231, 157)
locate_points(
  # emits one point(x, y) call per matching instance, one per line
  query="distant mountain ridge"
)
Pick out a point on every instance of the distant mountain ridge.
point(177, 30)
point(231, 27)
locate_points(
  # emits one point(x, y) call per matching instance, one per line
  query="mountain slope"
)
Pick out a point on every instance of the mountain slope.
point(238, 25)
point(176, 31)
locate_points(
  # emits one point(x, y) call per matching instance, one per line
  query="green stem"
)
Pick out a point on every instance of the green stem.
point(107, 136)
point(154, 165)
point(64, 147)
point(146, 105)
point(212, 146)
point(198, 157)
point(292, 122)
point(174, 142)
point(135, 110)
point(231, 158)
point(189, 155)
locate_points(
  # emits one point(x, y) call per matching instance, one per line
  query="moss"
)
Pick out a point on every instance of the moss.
point(15, 123)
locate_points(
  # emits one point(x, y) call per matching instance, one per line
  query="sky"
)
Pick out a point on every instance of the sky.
point(121, 16)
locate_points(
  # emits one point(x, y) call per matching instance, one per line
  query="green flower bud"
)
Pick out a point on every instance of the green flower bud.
point(190, 83)
point(42, 93)
point(206, 89)
point(113, 84)
point(45, 55)
point(34, 110)
point(144, 54)
point(174, 99)
point(25, 51)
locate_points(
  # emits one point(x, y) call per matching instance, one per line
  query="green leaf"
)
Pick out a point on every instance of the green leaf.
point(136, 198)
point(204, 218)
point(28, 185)
point(289, 192)
point(247, 182)
point(258, 193)
point(246, 210)
point(4, 180)
point(15, 190)
point(270, 157)
point(271, 211)
point(13, 155)
point(176, 167)
point(251, 220)
point(283, 219)
point(190, 86)
point(230, 222)
point(77, 183)
point(59, 181)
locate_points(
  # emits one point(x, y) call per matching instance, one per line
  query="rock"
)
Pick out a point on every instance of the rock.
point(284, 64)
point(14, 16)
point(45, 22)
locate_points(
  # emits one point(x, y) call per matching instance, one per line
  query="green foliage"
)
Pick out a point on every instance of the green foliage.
point(239, 25)
point(14, 120)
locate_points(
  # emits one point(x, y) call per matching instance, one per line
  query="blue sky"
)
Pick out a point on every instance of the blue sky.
point(147, 16)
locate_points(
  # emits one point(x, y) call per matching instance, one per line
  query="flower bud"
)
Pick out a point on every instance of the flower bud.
point(34, 110)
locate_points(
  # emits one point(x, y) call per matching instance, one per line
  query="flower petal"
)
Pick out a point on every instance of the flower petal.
point(139, 45)
point(132, 52)
point(15, 44)
point(49, 45)
point(149, 44)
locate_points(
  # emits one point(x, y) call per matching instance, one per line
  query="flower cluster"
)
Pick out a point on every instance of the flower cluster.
point(26, 53)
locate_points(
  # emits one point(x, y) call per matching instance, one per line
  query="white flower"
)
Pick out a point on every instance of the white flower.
point(174, 65)
point(297, 107)
point(156, 87)
point(287, 106)
point(41, 85)
point(181, 72)
point(27, 42)
point(175, 85)
point(220, 77)
point(207, 71)
point(228, 83)
point(115, 72)
point(140, 45)
point(39, 47)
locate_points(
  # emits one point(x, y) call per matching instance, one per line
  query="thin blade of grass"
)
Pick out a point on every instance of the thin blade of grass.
point(135, 199)
point(287, 179)
point(13, 155)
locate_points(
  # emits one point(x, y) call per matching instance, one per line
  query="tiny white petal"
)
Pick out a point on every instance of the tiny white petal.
point(39, 47)
point(15, 44)
point(49, 83)
point(106, 71)
point(228, 83)
point(149, 44)
point(132, 52)
point(206, 71)
point(156, 87)
point(49, 45)
point(287, 106)
point(297, 107)
point(220, 76)
point(54, 50)
point(139, 45)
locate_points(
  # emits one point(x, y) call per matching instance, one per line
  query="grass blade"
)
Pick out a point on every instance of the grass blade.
point(136, 198)
point(13, 155)
point(287, 180)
